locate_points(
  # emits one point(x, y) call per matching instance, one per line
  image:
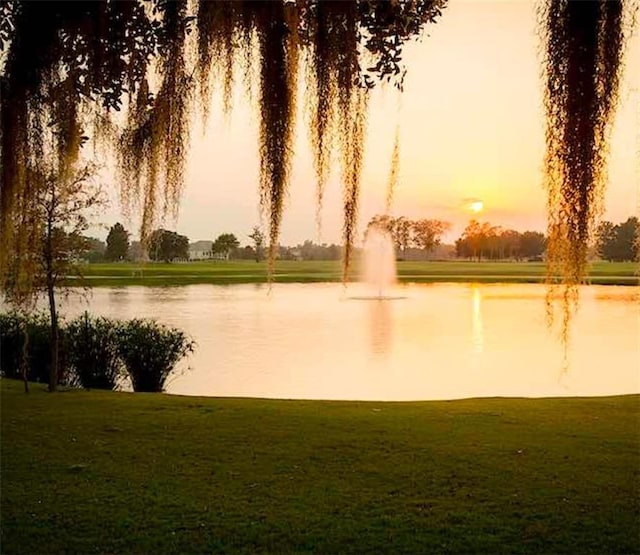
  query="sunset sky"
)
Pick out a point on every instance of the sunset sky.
point(471, 127)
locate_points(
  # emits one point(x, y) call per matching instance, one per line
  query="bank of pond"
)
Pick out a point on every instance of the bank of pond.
point(93, 352)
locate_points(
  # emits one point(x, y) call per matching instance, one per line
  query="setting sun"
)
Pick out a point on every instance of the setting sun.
point(476, 206)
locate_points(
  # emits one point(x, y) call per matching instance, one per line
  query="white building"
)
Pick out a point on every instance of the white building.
point(200, 250)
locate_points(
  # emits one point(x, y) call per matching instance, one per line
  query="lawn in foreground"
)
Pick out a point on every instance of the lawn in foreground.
point(114, 472)
point(228, 272)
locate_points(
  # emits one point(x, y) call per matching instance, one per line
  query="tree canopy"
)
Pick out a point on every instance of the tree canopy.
point(168, 246)
point(117, 243)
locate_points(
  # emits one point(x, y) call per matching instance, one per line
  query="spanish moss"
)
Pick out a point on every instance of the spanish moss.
point(277, 108)
point(394, 171)
point(584, 43)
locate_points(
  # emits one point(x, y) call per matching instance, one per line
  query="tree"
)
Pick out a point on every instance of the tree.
point(400, 229)
point(509, 244)
point(93, 249)
point(427, 234)
point(619, 242)
point(258, 242)
point(117, 243)
point(224, 244)
point(62, 208)
point(168, 246)
point(532, 244)
point(478, 240)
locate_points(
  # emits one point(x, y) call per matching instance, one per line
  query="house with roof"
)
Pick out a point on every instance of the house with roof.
point(201, 250)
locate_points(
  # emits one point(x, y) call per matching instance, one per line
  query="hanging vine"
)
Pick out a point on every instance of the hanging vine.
point(584, 44)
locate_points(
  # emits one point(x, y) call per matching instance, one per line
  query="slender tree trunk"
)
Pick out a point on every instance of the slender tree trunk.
point(53, 374)
point(48, 260)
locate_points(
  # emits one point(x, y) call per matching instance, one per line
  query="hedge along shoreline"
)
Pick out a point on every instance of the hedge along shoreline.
point(95, 352)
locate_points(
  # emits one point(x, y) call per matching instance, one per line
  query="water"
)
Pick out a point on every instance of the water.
point(441, 341)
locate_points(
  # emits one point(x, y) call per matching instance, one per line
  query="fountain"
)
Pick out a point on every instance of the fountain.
point(379, 262)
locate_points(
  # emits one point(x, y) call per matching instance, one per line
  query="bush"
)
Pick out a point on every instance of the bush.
point(150, 352)
point(11, 342)
point(92, 345)
point(37, 326)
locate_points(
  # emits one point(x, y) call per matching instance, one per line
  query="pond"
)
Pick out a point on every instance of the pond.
point(436, 341)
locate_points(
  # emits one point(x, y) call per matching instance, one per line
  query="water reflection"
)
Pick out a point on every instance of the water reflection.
point(477, 334)
point(442, 341)
point(380, 326)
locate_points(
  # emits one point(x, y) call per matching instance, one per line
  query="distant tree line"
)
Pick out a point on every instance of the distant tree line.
point(413, 239)
point(481, 240)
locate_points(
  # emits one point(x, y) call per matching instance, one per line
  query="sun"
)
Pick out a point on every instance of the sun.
point(476, 206)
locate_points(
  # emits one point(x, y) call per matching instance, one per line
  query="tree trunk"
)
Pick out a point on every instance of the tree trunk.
point(53, 374)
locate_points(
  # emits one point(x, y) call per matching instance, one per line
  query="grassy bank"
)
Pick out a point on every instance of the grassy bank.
point(221, 272)
point(105, 472)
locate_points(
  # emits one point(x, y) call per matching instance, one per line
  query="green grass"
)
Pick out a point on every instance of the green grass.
point(221, 272)
point(99, 472)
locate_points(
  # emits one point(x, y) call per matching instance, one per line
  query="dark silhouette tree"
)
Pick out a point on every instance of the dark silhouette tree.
point(168, 246)
point(117, 243)
point(619, 242)
point(532, 244)
point(225, 244)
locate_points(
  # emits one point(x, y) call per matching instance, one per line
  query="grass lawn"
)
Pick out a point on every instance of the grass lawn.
point(100, 472)
point(221, 272)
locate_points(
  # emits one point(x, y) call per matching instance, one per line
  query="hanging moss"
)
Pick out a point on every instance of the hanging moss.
point(584, 43)
point(152, 151)
point(71, 66)
point(394, 171)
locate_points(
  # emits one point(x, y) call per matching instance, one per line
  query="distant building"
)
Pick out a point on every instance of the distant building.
point(201, 250)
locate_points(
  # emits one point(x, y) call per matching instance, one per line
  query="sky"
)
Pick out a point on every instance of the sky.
point(471, 126)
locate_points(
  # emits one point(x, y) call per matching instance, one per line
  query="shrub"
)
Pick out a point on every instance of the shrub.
point(38, 331)
point(93, 352)
point(150, 352)
point(11, 343)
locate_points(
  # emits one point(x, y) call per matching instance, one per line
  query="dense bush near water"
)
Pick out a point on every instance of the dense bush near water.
point(35, 328)
point(92, 344)
point(150, 352)
point(95, 352)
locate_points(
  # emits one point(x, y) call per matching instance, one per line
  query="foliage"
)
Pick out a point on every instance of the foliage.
point(584, 44)
point(26, 339)
point(150, 352)
point(64, 197)
point(257, 237)
point(70, 66)
point(117, 243)
point(93, 250)
point(423, 234)
point(216, 475)
point(168, 246)
point(483, 240)
point(136, 252)
point(619, 242)
point(225, 244)
point(92, 349)
point(84, 62)
point(532, 244)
